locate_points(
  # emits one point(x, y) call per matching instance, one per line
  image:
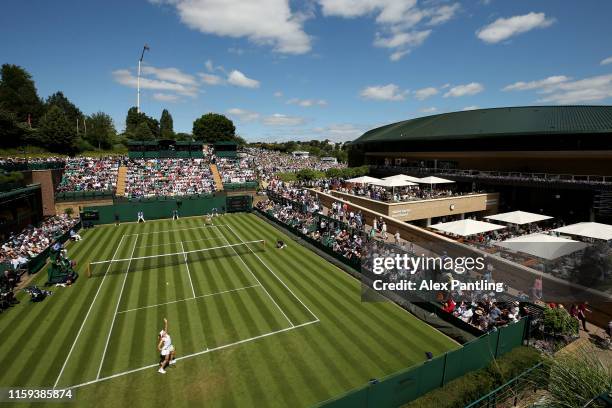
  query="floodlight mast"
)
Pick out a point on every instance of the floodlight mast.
point(145, 48)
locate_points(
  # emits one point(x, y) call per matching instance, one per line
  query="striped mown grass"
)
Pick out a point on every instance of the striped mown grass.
point(252, 328)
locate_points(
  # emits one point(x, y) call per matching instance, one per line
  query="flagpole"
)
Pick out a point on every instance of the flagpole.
point(145, 48)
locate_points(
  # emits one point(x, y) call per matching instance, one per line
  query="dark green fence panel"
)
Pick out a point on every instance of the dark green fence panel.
point(158, 208)
point(509, 336)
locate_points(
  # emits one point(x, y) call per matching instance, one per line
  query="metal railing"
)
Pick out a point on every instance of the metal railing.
point(513, 175)
point(510, 393)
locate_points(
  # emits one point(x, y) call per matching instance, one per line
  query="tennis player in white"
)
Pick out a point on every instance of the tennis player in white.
point(166, 350)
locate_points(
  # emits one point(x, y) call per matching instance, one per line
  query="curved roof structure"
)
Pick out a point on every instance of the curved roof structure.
point(497, 122)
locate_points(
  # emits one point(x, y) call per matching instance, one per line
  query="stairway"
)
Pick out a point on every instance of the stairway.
point(216, 177)
point(121, 176)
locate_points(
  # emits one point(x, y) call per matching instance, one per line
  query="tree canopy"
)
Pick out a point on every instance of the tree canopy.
point(100, 131)
point(18, 94)
point(166, 125)
point(214, 127)
point(143, 133)
point(56, 133)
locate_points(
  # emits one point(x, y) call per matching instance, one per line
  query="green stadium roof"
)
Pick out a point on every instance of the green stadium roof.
point(495, 122)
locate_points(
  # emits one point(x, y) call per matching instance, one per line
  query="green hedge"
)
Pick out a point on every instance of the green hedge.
point(470, 387)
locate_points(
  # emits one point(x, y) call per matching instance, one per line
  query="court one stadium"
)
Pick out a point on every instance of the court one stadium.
point(261, 270)
point(556, 158)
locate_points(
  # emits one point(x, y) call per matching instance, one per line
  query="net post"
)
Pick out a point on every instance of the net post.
point(89, 270)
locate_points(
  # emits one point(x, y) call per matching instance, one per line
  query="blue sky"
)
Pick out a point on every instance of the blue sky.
point(313, 68)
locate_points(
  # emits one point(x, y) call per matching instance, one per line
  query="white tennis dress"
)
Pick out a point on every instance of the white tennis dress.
point(167, 348)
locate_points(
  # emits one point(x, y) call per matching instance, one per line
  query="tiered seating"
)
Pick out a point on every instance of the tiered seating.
point(90, 174)
point(168, 177)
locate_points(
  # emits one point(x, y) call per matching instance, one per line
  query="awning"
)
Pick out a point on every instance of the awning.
point(403, 177)
point(588, 229)
point(518, 217)
point(542, 245)
point(393, 183)
point(434, 180)
point(363, 180)
point(466, 227)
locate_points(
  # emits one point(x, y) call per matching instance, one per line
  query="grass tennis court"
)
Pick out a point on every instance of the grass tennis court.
point(252, 325)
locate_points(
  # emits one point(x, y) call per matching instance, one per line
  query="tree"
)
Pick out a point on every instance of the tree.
point(132, 120)
point(166, 126)
point(12, 133)
point(213, 127)
point(143, 132)
point(56, 133)
point(183, 136)
point(135, 118)
point(18, 94)
point(100, 130)
point(70, 110)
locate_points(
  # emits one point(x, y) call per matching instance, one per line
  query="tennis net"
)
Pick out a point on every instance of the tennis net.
point(118, 266)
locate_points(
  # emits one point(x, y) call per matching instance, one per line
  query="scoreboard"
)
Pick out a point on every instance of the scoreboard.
point(239, 203)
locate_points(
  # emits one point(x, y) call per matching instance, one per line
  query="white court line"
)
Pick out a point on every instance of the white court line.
point(199, 353)
point(188, 272)
point(173, 253)
point(263, 287)
point(86, 316)
point(184, 300)
point(280, 280)
point(178, 229)
point(116, 309)
point(184, 242)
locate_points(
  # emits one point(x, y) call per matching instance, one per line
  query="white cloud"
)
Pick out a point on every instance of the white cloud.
point(279, 119)
point(442, 14)
point(163, 97)
point(278, 94)
point(424, 93)
point(431, 109)
point(563, 90)
point(397, 55)
point(389, 92)
point(243, 115)
point(471, 107)
point(403, 24)
point(169, 74)
point(237, 78)
point(211, 79)
point(462, 90)
point(590, 89)
point(542, 83)
point(263, 22)
point(401, 39)
point(127, 78)
point(504, 28)
point(341, 132)
point(209, 65)
point(307, 103)
point(606, 61)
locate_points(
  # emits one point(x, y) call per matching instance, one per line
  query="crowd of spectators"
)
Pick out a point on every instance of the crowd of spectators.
point(267, 163)
point(398, 194)
point(90, 174)
point(341, 230)
point(168, 177)
point(239, 170)
point(20, 248)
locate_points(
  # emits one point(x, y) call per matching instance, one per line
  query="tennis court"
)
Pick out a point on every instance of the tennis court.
point(252, 324)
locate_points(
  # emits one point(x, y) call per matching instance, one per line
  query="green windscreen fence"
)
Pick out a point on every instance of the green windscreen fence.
point(158, 208)
point(405, 386)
